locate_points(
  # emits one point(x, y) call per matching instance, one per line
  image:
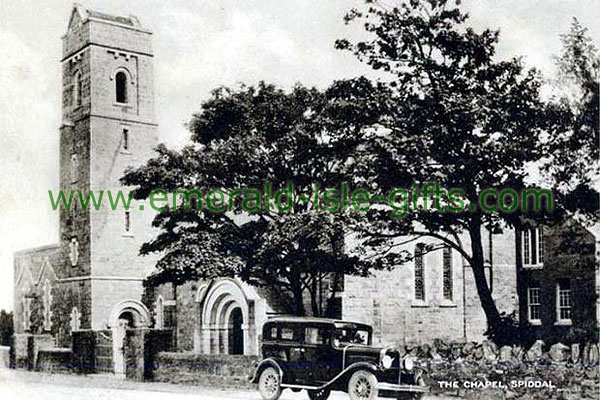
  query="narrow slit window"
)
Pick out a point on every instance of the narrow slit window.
point(127, 221)
point(78, 90)
point(74, 168)
point(125, 139)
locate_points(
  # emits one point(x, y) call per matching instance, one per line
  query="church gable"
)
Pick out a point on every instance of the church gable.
point(78, 16)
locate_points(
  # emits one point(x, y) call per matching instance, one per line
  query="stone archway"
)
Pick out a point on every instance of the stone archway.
point(128, 314)
point(227, 320)
point(132, 311)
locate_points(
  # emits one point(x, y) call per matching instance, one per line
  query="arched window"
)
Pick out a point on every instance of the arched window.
point(121, 87)
point(74, 252)
point(26, 307)
point(75, 322)
point(47, 300)
point(159, 312)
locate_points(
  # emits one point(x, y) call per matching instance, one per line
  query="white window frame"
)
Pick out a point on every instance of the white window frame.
point(526, 248)
point(559, 307)
point(534, 321)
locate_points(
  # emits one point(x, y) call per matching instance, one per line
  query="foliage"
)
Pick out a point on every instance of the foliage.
point(509, 332)
point(458, 116)
point(243, 138)
point(574, 152)
point(6, 327)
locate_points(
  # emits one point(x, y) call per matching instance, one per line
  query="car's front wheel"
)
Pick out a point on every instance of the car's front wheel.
point(322, 394)
point(269, 384)
point(362, 386)
point(413, 396)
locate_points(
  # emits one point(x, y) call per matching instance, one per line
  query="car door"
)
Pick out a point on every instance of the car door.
point(290, 344)
point(318, 357)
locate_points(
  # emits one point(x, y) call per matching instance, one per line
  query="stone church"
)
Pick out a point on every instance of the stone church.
point(92, 279)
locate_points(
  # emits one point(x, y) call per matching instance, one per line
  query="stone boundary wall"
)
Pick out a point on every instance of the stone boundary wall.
point(224, 371)
point(512, 380)
point(55, 360)
point(141, 347)
point(25, 348)
point(4, 356)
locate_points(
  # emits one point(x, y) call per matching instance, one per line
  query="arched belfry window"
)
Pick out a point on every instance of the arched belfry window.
point(121, 87)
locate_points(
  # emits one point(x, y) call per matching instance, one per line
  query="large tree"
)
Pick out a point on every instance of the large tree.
point(243, 138)
point(455, 115)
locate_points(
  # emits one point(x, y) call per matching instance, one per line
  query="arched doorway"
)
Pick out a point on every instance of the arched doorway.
point(128, 314)
point(227, 319)
point(235, 332)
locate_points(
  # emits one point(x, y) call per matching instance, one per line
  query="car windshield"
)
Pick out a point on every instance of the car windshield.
point(343, 336)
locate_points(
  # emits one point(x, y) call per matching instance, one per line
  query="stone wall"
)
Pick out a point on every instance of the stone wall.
point(387, 301)
point(4, 356)
point(223, 371)
point(26, 348)
point(141, 347)
point(55, 360)
point(83, 348)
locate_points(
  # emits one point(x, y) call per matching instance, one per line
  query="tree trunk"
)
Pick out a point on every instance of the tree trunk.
point(313, 296)
point(477, 265)
point(297, 292)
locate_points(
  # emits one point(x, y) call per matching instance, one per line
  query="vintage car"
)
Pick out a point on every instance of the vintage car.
point(321, 355)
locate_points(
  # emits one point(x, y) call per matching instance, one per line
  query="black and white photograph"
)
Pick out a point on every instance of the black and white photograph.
point(300, 199)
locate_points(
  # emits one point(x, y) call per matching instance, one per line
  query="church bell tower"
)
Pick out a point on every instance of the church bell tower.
point(108, 125)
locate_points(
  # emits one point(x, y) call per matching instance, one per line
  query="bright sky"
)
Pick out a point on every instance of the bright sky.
point(199, 45)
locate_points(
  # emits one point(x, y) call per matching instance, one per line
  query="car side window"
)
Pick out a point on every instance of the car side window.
point(314, 335)
point(270, 333)
point(286, 333)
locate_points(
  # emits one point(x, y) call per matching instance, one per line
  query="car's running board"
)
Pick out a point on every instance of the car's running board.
point(381, 386)
point(290, 386)
point(392, 387)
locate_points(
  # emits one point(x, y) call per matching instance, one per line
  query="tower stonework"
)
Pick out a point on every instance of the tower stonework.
point(108, 125)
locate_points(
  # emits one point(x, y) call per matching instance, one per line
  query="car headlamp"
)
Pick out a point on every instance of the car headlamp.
point(386, 361)
point(408, 363)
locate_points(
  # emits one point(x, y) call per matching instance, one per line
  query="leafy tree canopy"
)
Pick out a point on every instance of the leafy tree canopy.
point(458, 116)
point(243, 138)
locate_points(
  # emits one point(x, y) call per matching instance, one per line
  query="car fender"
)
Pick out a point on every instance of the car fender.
point(351, 369)
point(267, 362)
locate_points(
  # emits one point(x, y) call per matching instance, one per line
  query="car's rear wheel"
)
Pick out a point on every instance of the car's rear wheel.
point(362, 386)
point(269, 384)
point(322, 394)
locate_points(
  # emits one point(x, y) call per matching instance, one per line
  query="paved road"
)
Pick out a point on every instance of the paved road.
point(22, 385)
point(31, 385)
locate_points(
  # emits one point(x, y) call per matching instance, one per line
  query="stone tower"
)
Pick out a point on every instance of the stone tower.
point(108, 125)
